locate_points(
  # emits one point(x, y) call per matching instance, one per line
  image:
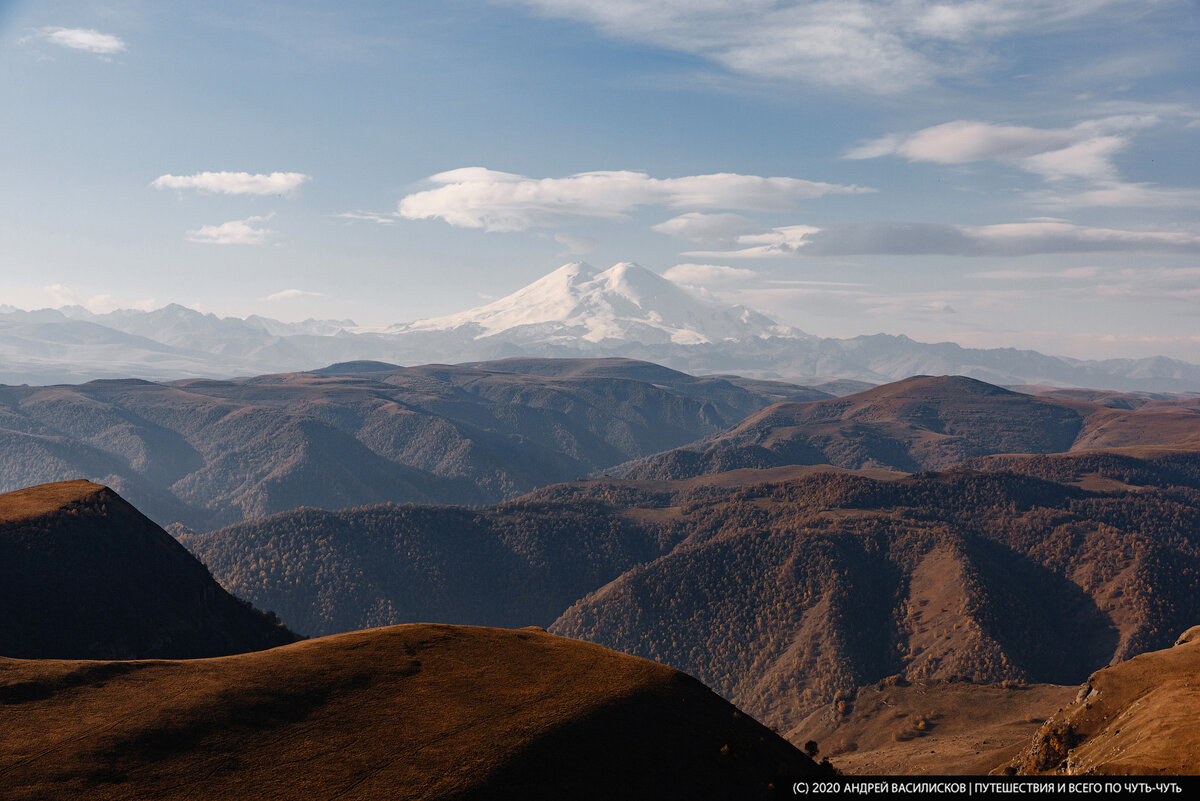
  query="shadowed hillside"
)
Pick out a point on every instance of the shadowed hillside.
point(924, 423)
point(1127, 469)
point(1135, 718)
point(410, 712)
point(208, 453)
point(517, 564)
point(84, 575)
point(783, 597)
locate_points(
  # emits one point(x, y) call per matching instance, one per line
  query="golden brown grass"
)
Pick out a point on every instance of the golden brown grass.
point(932, 727)
point(1134, 718)
point(407, 712)
point(44, 499)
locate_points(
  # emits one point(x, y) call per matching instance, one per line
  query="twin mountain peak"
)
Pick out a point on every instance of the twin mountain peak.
point(624, 302)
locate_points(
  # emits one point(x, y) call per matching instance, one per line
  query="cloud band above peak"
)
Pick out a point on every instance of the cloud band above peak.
point(936, 239)
point(476, 197)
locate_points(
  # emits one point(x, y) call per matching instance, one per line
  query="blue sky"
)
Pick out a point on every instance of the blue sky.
point(998, 172)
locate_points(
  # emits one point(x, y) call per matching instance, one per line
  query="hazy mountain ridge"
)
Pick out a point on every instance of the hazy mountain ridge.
point(925, 423)
point(575, 311)
point(207, 453)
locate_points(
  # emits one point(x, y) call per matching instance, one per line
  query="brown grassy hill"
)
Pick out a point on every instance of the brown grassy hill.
point(1123, 470)
point(517, 564)
point(782, 597)
point(1111, 398)
point(1135, 718)
point(409, 712)
point(209, 453)
point(924, 423)
point(897, 727)
point(85, 575)
point(726, 388)
point(786, 598)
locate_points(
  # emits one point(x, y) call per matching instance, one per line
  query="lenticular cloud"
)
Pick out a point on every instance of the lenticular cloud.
point(476, 197)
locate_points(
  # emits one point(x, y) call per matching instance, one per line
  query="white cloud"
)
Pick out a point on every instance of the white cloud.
point(84, 39)
point(928, 239)
point(881, 46)
point(476, 197)
point(576, 245)
point(62, 295)
point(707, 273)
point(1018, 239)
point(1118, 194)
point(235, 183)
point(1070, 273)
point(368, 216)
point(963, 141)
point(1083, 151)
point(292, 294)
point(713, 229)
point(1090, 159)
point(1079, 159)
point(234, 232)
point(782, 241)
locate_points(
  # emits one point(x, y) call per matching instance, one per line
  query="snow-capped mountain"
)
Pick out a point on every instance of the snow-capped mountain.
point(575, 311)
point(626, 302)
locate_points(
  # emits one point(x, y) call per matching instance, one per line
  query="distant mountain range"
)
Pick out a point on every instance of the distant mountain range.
point(811, 596)
point(206, 453)
point(928, 423)
point(575, 311)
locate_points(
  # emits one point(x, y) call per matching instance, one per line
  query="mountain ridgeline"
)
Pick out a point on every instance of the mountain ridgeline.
point(818, 561)
point(925, 423)
point(783, 597)
point(516, 564)
point(419, 713)
point(573, 312)
point(206, 453)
